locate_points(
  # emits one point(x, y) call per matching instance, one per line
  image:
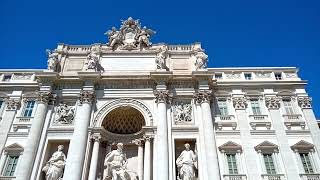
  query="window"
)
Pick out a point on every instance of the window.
point(218, 76)
point(288, 107)
point(232, 163)
point(28, 109)
point(306, 163)
point(278, 76)
point(255, 106)
point(222, 107)
point(269, 164)
point(7, 77)
point(248, 76)
point(11, 165)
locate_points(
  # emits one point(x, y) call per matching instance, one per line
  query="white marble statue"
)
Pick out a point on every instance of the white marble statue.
point(93, 60)
point(54, 167)
point(186, 164)
point(201, 60)
point(116, 163)
point(114, 36)
point(143, 37)
point(161, 57)
point(52, 60)
point(64, 114)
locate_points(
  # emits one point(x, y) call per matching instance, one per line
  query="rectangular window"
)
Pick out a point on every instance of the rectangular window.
point(248, 76)
point(11, 165)
point(268, 162)
point(232, 163)
point(305, 159)
point(218, 76)
point(28, 109)
point(222, 108)
point(255, 106)
point(7, 77)
point(288, 107)
point(278, 76)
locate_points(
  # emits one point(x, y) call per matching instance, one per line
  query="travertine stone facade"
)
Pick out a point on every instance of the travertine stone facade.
point(154, 103)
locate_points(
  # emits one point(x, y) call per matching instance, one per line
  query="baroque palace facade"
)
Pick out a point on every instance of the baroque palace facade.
point(130, 109)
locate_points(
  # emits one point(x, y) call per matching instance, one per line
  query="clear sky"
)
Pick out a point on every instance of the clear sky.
point(233, 32)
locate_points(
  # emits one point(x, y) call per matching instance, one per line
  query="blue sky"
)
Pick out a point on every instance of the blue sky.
point(233, 32)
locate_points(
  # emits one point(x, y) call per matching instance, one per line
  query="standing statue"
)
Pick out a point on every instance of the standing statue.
point(52, 60)
point(144, 36)
point(161, 57)
point(201, 60)
point(116, 163)
point(54, 167)
point(93, 59)
point(114, 36)
point(185, 164)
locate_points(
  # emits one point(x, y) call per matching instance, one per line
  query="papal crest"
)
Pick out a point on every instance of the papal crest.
point(130, 36)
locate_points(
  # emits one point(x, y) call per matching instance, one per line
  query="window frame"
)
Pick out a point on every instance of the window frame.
point(247, 76)
point(257, 108)
point(288, 106)
point(12, 165)
point(269, 163)
point(278, 75)
point(222, 110)
point(27, 109)
point(233, 162)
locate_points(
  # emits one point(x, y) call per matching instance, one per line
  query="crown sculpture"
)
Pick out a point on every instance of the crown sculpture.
point(130, 36)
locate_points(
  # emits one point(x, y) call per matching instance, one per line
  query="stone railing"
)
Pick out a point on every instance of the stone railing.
point(79, 49)
point(310, 176)
point(272, 177)
point(226, 121)
point(179, 47)
point(260, 121)
point(225, 117)
point(294, 120)
point(7, 177)
point(24, 119)
point(234, 177)
point(258, 117)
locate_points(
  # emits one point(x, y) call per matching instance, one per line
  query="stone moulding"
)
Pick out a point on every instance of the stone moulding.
point(102, 113)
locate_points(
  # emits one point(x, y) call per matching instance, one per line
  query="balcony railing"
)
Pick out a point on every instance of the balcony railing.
point(226, 121)
point(7, 177)
point(259, 121)
point(234, 177)
point(272, 177)
point(258, 117)
point(310, 176)
point(294, 120)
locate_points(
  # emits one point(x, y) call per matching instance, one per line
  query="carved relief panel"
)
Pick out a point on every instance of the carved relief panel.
point(182, 112)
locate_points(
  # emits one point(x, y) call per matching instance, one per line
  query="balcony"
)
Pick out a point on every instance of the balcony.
point(226, 122)
point(272, 177)
point(291, 120)
point(310, 176)
point(260, 121)
point(234, 177)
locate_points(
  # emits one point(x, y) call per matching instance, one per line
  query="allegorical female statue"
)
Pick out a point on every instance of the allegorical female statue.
point(185, 164)
point(54, 167)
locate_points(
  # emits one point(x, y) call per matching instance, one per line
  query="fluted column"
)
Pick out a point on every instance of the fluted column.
point(139, 143)
point(77, 148)
point(273, 104)
point(305, 103)
point(162, 97)
point(94, 158)
point(204, 97)
point(7, 120)
point(147, 158)
point(25, 164)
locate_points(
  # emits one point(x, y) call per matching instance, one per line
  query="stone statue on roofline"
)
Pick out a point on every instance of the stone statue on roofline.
point(52, 60)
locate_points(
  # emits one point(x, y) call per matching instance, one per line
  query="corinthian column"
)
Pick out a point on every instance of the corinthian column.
point(25, 164)
point(203, 98)
point(7, 120)
point(305, 103)
point(273, 104)
point(95, 155)
point(77, 148)
point(162, 97)
point(139, 143)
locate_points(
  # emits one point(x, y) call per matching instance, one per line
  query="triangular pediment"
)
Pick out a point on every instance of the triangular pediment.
point(302, 146)
point(14, 147)
point(230, 147)
point(266, 146)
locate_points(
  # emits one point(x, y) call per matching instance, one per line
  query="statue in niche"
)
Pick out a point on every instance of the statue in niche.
point(54, 167)
point(161, 57)
point(116, 165)
point(64, 114)
point(52, 60)
point(186, 164)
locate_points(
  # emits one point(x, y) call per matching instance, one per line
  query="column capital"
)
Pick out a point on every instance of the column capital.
point(239, 103)
point(12, 104)
point(96, 137)
point(305, 102)
point(272, 102)
point(45, 97)
point(162, 96)
point(138, 142)
point(147, 138)
point(202, 96)
point(86, 97)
